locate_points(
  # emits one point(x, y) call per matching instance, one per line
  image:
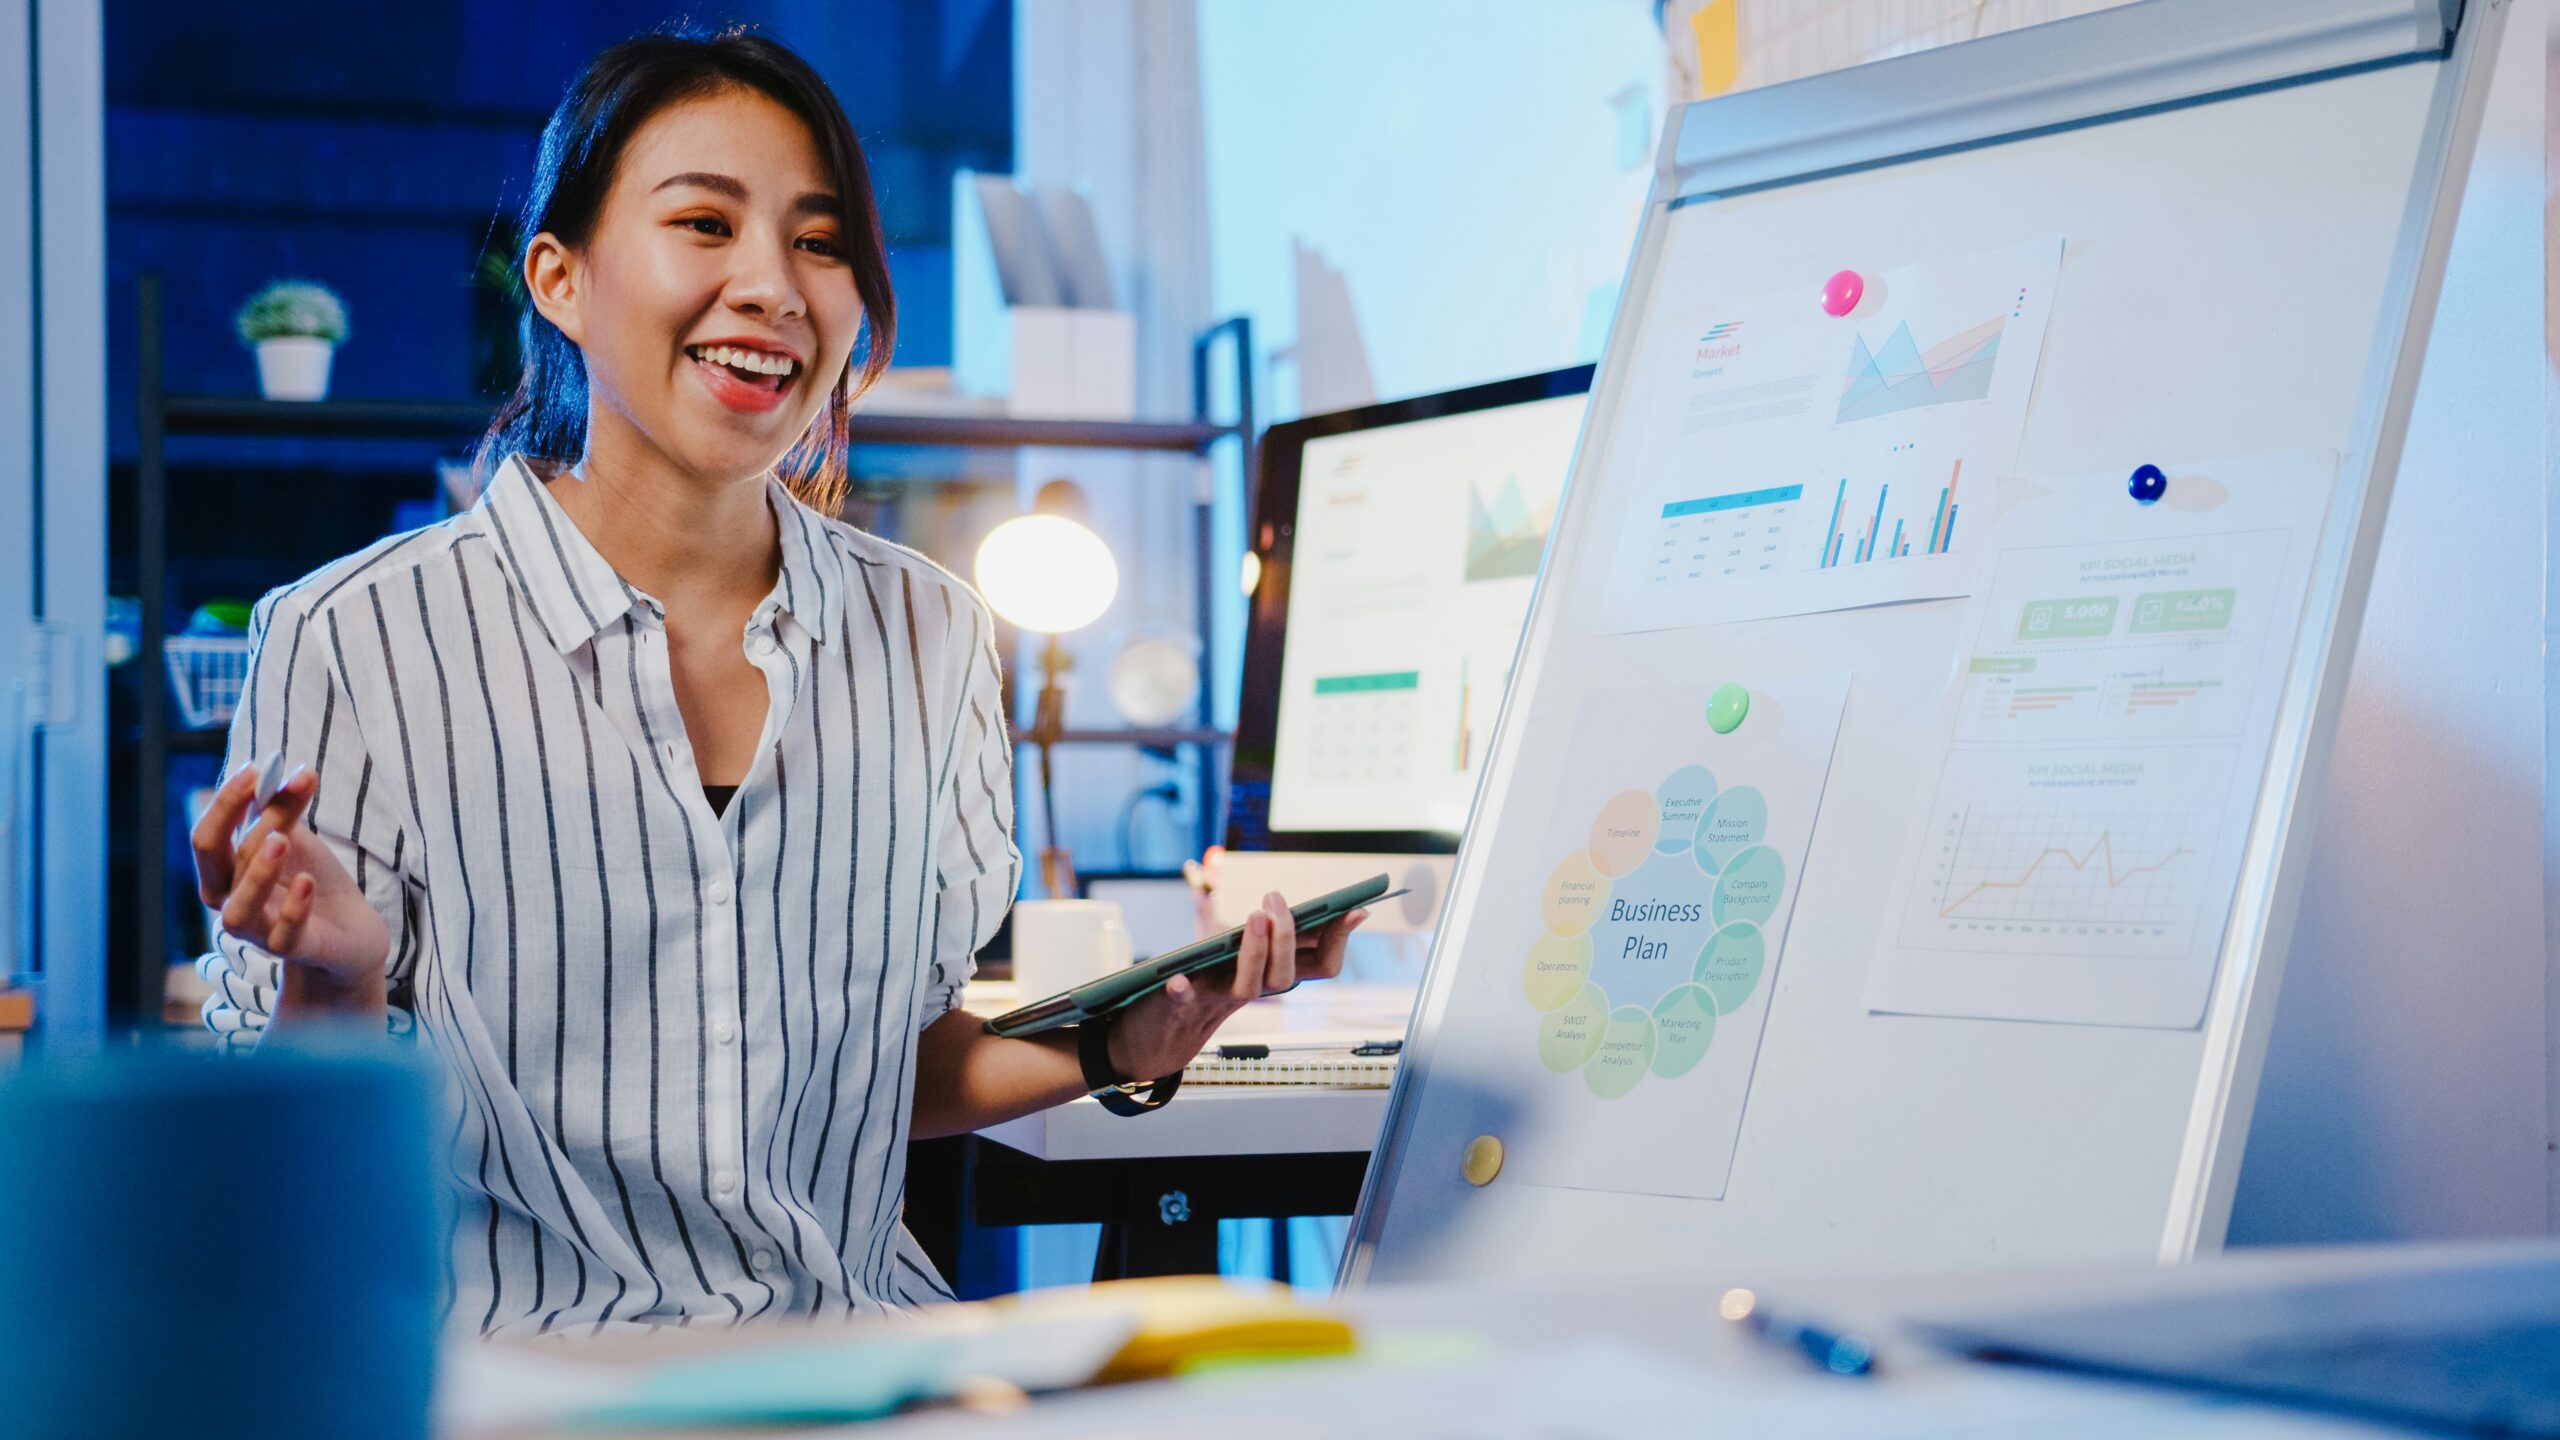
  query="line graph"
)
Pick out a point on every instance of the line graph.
point(1899, 375)
point(2046, 870)
point(2115, 878)
point(1504, 537)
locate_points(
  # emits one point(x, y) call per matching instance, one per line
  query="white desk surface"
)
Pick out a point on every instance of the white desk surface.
point(1523, 1337)
point(1517, 1343)
point(1227, 1119)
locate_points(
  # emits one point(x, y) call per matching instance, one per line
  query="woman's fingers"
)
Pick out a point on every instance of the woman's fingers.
point(211, 838)
point(292, 798)
point(248, 898)
point(1281, 971)
point(283, 811)
point(1325, 961)
point(284, 937)
point(1253, 957)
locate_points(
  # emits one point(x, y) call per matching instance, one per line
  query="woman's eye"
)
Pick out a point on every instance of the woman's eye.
point(824, 246)
point(704, 225)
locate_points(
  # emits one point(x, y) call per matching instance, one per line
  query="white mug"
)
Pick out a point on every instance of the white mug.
point(1060, 944)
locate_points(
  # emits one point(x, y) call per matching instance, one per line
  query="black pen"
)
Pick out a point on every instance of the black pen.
point(1264, 1051)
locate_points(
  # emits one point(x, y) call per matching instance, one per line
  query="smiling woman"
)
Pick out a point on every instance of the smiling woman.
point(727, 95)
point(667, 808)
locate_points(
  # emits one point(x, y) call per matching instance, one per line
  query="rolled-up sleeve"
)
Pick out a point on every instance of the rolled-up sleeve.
point(974, 849)
point(295, 699)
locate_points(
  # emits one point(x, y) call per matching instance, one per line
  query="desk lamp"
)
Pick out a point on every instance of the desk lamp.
point(1047, 573)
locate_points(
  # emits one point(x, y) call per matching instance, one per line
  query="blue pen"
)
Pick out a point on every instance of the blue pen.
point(1837, 1351)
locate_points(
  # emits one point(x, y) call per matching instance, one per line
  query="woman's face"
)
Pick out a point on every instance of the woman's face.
point(713, 302)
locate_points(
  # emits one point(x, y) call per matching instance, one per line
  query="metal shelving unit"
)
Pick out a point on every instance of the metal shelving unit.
point(160, 415)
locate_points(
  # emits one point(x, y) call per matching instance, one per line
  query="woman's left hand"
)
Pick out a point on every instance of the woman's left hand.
point(1159, 1035)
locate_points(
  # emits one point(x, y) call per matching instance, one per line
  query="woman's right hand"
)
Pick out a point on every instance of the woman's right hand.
point(279, 888)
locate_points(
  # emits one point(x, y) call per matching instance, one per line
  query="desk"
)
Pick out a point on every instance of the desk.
point(1466, 1342)
point(1159, 1183)
point(1524, 1338)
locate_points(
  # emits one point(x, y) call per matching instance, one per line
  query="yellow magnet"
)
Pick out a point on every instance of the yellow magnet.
point(1727, 706)
point(1484, 1160)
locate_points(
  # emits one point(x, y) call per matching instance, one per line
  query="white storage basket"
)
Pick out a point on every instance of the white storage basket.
point(206, 671)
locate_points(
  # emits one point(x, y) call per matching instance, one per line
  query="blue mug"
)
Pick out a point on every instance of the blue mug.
point(220, 1246)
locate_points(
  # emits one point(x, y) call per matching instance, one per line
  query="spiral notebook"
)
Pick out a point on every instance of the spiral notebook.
point(1339, 1068)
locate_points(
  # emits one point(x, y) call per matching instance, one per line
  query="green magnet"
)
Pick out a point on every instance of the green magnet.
point(1726, 707)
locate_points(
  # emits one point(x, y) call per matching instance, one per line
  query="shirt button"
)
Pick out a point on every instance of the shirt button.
point(726, 1182)
point(762, 647)
point(762, 1259)
point(725, 1033)
point(717, 892)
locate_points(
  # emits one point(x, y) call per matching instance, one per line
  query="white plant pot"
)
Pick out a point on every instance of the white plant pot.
point(294, 367)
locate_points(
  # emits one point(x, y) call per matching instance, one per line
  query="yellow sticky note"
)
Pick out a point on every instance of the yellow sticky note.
point(1177, 1321)
point(1719, 33)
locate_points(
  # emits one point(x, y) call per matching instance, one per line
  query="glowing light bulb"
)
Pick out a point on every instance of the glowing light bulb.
point(1046, 573)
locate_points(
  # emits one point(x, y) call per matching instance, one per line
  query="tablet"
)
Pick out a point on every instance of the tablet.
point(1125, 987)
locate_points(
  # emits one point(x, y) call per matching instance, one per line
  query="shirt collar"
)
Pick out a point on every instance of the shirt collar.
point(576, 592)
point(811, 589)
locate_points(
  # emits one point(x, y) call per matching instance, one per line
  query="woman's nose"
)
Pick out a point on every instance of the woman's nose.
point(761, 281)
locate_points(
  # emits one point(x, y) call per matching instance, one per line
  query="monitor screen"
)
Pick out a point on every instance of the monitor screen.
point(1409, 564)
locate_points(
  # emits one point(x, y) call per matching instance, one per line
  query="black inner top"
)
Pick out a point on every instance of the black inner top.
point(719, 795)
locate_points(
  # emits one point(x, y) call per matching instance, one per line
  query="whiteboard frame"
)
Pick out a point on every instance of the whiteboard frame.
point(2108, 66)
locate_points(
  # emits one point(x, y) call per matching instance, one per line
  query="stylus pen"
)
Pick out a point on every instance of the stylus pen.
point(270, 780)
point(1842, 1352)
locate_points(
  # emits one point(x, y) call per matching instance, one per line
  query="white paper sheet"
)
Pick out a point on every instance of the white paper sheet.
point(1787, 461)
point(1647, 954)
point(2102, 747)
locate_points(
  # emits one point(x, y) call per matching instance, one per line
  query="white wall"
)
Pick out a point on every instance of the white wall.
point(2551, 582)
point(1106, 102)
point(2407, 1089)
point(1433, 193)
point(1450, 186)
point(1444, 185)
point(53, 483)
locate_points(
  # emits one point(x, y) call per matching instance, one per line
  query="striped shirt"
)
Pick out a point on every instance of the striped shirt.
point(680, 1046)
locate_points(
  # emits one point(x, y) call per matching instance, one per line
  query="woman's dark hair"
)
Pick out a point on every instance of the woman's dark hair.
point(546, 417)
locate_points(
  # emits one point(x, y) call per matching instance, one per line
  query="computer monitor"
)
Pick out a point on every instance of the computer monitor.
point(1398, 545)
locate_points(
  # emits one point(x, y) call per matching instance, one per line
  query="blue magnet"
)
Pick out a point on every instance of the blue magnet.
point(2148, 484)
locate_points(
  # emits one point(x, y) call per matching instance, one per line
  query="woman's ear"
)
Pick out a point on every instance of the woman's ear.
point(551, 282)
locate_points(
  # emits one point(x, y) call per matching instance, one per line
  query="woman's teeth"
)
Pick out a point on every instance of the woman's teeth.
point(753, 362)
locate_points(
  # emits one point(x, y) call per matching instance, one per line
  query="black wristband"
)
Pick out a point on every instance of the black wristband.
point(1117, 1092)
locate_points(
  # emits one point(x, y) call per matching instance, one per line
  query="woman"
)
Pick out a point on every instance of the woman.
point(668, 809)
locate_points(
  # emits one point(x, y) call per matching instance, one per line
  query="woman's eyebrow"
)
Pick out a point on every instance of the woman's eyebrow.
point(704, 180)
point(815, 202)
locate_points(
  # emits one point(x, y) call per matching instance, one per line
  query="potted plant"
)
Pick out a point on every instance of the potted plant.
point(294, 325)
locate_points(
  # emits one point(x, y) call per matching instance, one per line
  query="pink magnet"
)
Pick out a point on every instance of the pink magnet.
point(1842, 292)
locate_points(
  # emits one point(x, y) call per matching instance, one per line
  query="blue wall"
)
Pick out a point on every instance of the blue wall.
point(373, 150)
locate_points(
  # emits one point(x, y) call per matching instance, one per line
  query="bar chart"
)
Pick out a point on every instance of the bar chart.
point(1858, 535)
